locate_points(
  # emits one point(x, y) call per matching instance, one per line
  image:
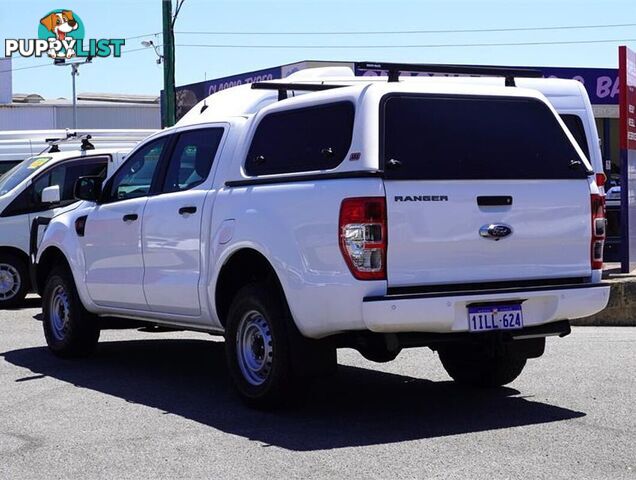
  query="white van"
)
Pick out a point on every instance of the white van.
point(17, 145)
point(40, 186)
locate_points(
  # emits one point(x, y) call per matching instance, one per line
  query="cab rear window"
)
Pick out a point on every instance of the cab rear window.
point(438, 137)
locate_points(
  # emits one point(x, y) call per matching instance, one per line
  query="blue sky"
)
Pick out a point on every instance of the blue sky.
point(137, 72)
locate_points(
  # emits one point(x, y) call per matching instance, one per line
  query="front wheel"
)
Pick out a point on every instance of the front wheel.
point(479, 366)
point(70, 330)
point(257, 346)
point(14, 280)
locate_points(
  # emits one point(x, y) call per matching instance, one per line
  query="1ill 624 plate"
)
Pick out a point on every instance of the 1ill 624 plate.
point(495, 317)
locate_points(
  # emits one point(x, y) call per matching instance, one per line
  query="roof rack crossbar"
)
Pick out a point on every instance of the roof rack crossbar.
point(508, 73)
point(283, 88)
point(54, 143)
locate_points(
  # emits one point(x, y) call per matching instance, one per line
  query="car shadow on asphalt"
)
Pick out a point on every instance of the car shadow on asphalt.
point(29, 302)
point(356, 407)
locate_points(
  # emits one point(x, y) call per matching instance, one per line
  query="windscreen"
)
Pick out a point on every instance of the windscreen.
point(20, 172)
point(439, 137)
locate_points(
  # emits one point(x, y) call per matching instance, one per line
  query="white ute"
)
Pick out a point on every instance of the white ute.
point(323, 211)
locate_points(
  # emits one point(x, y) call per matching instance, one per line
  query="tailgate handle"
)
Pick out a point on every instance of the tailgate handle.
point(494, 201)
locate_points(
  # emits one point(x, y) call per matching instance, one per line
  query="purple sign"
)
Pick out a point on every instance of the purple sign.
point(601, 83)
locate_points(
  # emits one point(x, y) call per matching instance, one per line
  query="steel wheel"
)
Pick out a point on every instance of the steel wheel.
point(59, 309)
point(254, 348)
point(10, 281)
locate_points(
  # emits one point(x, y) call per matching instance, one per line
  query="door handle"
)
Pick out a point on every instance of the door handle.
point(131, 217)
point(187, 210)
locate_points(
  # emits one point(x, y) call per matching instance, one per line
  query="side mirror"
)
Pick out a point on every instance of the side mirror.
point(88, 188)
point(51, 194)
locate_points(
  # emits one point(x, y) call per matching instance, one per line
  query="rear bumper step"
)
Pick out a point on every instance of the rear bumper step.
point(448, 312)
point(560, 328)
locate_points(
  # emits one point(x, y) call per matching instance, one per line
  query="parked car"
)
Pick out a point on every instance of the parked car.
point(40, 186)
point(323, 211)
point(17, 145)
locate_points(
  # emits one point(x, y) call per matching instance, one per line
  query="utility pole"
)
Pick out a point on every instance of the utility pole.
point(168, 62)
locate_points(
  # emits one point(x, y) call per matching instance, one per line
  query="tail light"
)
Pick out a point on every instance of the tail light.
point(601, 178)
point(363, 232)
point(598, 231)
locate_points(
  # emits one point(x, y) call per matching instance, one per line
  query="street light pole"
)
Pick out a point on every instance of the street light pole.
point(74, 73)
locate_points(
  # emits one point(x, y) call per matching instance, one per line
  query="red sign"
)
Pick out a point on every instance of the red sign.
point(627, 101)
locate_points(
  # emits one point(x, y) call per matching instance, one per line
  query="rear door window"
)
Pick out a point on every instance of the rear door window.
point(438, 137)
point(301, 140)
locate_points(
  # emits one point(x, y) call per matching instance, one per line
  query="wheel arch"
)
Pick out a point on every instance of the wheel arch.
point(18, 252)
point(48, 259)
point(244, 266)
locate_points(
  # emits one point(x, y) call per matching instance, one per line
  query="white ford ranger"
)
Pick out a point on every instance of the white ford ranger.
point(296, 217)
point(40, 186)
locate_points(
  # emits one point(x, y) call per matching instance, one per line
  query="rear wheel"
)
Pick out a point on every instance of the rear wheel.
point(70, 330)
point(481, 366)
point(257, 346)
point(14, 280)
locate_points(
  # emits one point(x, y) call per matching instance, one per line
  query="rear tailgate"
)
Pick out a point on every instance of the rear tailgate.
point(482, 189)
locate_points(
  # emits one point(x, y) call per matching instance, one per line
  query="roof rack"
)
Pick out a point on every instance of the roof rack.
point(508, 73)
point(283, 88)
point(54, 143)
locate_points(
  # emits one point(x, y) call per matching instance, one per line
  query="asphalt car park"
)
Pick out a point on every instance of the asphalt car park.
point(161, 405)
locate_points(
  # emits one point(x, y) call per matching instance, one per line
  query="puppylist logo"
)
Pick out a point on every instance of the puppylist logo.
point(61, 35)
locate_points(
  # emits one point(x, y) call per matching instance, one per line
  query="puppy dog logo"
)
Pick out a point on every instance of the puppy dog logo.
point(61, 24)
point(61, 36)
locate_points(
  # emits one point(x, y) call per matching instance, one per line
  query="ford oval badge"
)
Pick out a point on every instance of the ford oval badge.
point(495, 231)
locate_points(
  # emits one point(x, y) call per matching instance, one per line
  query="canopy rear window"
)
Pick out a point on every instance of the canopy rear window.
point(439, 137)
point(301, 140)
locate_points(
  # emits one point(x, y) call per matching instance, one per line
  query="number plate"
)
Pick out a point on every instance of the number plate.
point(494, 317)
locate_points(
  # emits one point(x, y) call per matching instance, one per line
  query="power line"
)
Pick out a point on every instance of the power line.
point(439, 45)
point(52, 64)
point(408, 32)
point(340, 47)
point(142, 36)
point(154, 34)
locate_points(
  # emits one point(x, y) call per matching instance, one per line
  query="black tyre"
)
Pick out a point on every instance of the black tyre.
point(479, 366)
point(257, 346)
point(14, 280)
point(70, 330)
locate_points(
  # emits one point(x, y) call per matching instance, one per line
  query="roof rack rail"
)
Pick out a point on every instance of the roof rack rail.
point(54, 143)
point(283, 88)
point(508, 73)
